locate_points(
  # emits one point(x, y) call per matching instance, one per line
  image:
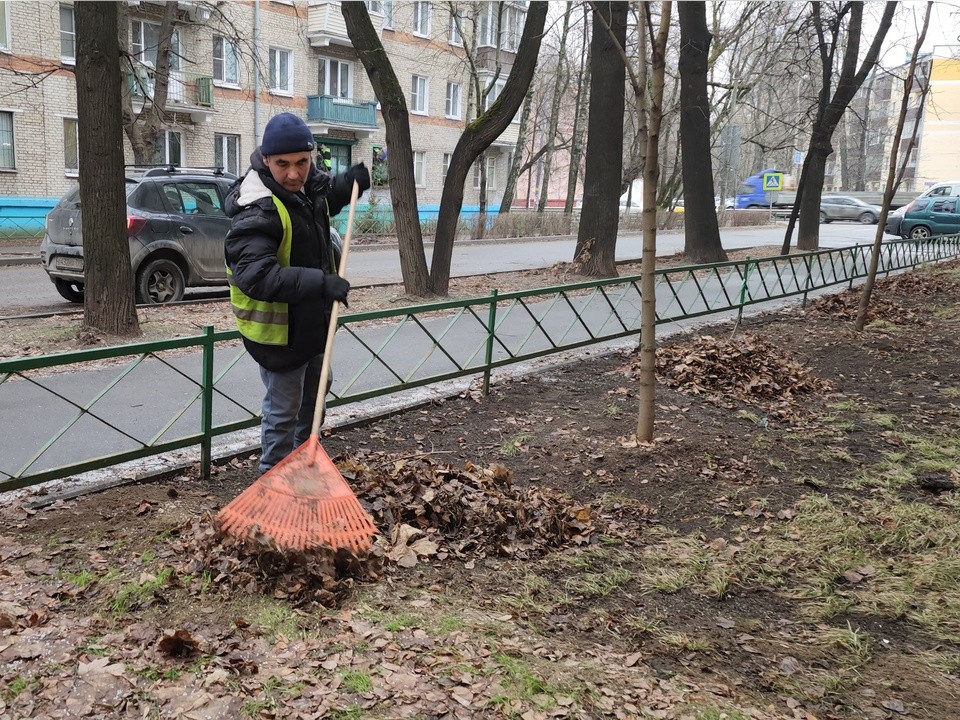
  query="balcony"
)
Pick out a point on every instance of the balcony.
point(186, 92)
point(325, 112)
point(325, 25)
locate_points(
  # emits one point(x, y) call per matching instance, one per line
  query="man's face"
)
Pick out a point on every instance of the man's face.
point(289, 170)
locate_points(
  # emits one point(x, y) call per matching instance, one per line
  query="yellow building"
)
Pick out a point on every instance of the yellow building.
point(938, 149)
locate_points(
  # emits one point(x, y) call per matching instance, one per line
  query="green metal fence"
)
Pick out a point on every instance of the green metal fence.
point(102, 407)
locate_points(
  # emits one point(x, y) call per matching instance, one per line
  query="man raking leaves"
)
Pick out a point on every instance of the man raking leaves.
point(284, 290)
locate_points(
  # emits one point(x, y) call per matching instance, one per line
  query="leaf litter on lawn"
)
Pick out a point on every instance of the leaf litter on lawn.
point(440, 639)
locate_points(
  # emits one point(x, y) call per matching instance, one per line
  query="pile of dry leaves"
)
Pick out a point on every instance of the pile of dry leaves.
point(426, 509)
point(846, 305)
point(745, 367)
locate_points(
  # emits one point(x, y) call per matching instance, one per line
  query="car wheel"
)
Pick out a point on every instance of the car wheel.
point(823, 217)
point(867, 218)
point(69, 290)
point(920, 232)
point(159, 281)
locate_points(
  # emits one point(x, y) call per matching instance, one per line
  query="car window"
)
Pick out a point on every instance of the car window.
point(173, 197)
point(950, 206)
point(148, 197)
point(201, 198)
point(940, 191)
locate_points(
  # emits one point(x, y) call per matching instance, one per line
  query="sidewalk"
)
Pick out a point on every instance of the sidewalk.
point(20, 254)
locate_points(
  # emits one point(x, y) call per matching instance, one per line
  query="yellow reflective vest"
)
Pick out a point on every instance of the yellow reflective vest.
point(264, 322)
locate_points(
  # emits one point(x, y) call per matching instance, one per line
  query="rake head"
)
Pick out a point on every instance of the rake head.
point(301, 503)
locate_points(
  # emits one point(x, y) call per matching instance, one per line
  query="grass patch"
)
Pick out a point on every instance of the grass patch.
point(512, 447)
point(357, 682)
point(133, 595)
point(277, 620)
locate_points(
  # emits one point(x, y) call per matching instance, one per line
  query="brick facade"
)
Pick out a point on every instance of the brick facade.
point(38, 90)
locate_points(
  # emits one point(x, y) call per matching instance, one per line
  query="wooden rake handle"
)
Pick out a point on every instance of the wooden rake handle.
point(321, 406)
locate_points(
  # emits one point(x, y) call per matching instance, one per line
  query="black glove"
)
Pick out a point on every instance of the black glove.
point(335, 288)
point(360, 173)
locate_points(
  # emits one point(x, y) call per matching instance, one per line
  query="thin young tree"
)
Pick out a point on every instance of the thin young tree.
point(559, 83)
point(893, 178)
point(701, 230)
point(108, 303)
point(651, 176)
point(595, 250)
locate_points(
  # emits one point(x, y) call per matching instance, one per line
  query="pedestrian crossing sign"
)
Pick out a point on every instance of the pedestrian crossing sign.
point(772, 181)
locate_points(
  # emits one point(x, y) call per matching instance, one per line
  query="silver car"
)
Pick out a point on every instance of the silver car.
point(176, 225)
point(844, 207)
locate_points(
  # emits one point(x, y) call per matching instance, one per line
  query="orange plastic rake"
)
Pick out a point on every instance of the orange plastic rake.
point(303, 502)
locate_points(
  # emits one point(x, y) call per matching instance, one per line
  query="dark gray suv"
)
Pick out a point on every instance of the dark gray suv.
point(176, 224)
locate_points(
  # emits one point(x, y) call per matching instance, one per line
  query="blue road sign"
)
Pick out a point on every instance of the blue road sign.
point(773, 181)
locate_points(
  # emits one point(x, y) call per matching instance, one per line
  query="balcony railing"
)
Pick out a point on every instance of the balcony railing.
point(344, 113)
point(326, 26)
point(186, 89)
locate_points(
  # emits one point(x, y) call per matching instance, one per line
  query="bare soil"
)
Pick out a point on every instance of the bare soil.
point(786, 547)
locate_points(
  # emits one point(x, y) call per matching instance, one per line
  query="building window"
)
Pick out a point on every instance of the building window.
point(68, 35)
point(339, 158)
point(4, 25)
point(447, 157)
point(226, 152)
point(418, 95)
point(335, 78)
point(492, 172)
point(421, 19)
point(281, 71)
point(145, 45)
point(71, 147)
point(420, 169)
point(456, 20)
point(452, 105)
point(476, 175)
point(226, 61)
point(494, 93)
point(8, 159)
point(374, 6)
point(388, 14)
point(508, 19)
point(169, 149)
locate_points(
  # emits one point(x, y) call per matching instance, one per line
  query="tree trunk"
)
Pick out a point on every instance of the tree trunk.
point(143, 129)
point(595, 252)
point(579, 121)
point(831, 110)
point(700, 227)
point(646, 394)
point(108, 303)
point(393, 104)
point(477, 137)
point(558, 84)
point(511, 189)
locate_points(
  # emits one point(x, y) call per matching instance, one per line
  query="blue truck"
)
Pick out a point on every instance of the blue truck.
point(751, 194)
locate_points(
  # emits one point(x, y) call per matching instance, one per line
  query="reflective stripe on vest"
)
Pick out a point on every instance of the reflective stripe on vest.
point(264, 322)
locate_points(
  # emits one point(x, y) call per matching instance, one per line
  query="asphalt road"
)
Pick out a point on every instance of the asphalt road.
point(26, 288)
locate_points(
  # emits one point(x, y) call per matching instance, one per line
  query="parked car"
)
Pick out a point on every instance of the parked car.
point(844, 207)
point(931, 216)
point(950, 188)
point(176, 225)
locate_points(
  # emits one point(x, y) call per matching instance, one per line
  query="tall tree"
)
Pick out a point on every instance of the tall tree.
point(108, 277)
point(393, 105)
point(476, 138)
point(648, 258)
point(506, 203)
point(579, 120)
point(700, 228)
point(829, 29)
point(595, 251)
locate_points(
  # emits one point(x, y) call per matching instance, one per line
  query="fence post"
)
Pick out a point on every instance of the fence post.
point(809, 281)
point(744, 291)
point(491, 334)
point(206, 402)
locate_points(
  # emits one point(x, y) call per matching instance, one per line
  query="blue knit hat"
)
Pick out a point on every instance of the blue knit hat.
point(286, 133)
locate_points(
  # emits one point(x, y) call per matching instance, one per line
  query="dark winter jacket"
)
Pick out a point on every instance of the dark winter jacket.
point(251, 254)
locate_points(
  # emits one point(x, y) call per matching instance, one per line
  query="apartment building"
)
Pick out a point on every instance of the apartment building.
point(233, 65)
point(936, 154)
